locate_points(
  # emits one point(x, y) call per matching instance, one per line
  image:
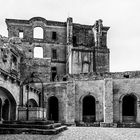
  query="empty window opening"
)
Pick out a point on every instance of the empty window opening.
point(89, 109)
point(21, 35)
point(74, 40)
point(53, 109)
point(54, 35)
point(126, 76)
point(38, 52)
point(54, 73)
point(38, 32)
point(54, 54)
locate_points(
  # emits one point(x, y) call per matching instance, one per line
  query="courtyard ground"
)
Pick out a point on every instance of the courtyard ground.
point(83, 133)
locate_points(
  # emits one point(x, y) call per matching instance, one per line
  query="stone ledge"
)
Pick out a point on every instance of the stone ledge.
point(103, 124)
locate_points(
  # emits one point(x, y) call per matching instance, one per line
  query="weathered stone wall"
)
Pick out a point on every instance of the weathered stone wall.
point(59, 90)
point(94, 88)
point(40, 66)
point(82, 61)
point(9, 89)
point(10, 55)
point(108, 101)
point(122, 87)
point(84, 35)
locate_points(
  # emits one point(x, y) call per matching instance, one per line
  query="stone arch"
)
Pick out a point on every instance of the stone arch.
point(121, 97)
point(38, 32)
point(96, 103)
point(8, 105)
point(53, 108)
point(89, 108)
point(126, 101)
point(32, 103)
point(38, 52)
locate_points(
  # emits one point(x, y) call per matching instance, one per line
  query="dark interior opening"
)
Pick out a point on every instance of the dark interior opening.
point(5, 110)
point(54, 54)
point(53, 108)
point(54, 35)
point(74, 41)
point(54, 73)
point(89, 105)
point(129, 105)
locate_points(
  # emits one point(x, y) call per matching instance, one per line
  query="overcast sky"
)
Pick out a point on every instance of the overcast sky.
point(123, 17)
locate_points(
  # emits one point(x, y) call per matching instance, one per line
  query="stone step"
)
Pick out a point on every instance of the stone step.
point(129, 125)
point(49, 126)
point(84, 124)
point(36, 122)
point(32, 131)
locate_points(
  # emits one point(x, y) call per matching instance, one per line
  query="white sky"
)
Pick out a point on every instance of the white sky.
point(123, 17)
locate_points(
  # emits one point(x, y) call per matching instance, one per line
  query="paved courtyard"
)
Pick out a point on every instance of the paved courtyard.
point(83, 133)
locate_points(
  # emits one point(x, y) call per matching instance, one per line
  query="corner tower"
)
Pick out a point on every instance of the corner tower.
point(87, 48)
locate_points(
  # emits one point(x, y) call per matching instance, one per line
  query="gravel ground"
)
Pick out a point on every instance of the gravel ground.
point(83, 133)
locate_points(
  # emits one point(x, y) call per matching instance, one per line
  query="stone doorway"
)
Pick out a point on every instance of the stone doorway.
point(129, 108)
point(89, 110)
point(7, 105)
point(53, 109)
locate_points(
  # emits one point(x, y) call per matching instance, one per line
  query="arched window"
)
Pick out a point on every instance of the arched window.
point(38, 33)
point(38, 52)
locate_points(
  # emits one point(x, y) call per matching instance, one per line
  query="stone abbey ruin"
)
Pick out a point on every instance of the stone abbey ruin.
point(71, 82)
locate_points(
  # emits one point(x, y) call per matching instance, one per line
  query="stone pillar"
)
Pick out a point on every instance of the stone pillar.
point(69, 45)
point(108, 101)
point(70, 107)
point(69, 30)
point(138, 112)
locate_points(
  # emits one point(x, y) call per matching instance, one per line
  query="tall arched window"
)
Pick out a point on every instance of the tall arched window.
point(38, 52)
point(38, 33)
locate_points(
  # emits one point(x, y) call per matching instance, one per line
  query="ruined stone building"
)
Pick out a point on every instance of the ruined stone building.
point(70, 82)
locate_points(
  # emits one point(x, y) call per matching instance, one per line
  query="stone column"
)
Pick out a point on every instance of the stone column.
point(138, 112)
point(108, 101)
point(69, 45)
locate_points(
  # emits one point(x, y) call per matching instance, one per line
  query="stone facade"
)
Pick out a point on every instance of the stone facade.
point(71, 82)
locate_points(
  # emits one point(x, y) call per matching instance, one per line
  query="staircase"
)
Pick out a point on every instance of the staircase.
point(31, 127)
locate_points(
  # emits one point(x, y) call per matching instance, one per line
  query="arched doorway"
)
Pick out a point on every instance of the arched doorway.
point(7, 105)
point(89, 109)
point(32, 103)
point(6, 110)
point(129, 108)
point(53, 108)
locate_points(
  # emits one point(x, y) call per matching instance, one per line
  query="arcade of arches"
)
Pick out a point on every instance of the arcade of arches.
point(7, 105)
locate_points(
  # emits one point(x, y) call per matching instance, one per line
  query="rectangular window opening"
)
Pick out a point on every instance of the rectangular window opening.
point(54, 54)
point(74, 40)
point(54, 35)
point(21, 34)
point(54, 73)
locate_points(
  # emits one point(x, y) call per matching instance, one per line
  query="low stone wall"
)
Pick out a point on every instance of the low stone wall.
point(34, 113)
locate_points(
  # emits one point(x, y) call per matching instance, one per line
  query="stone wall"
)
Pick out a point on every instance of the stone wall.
point(94, 88)
point(59, 90)
point(122, 87)
point(40, 66)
